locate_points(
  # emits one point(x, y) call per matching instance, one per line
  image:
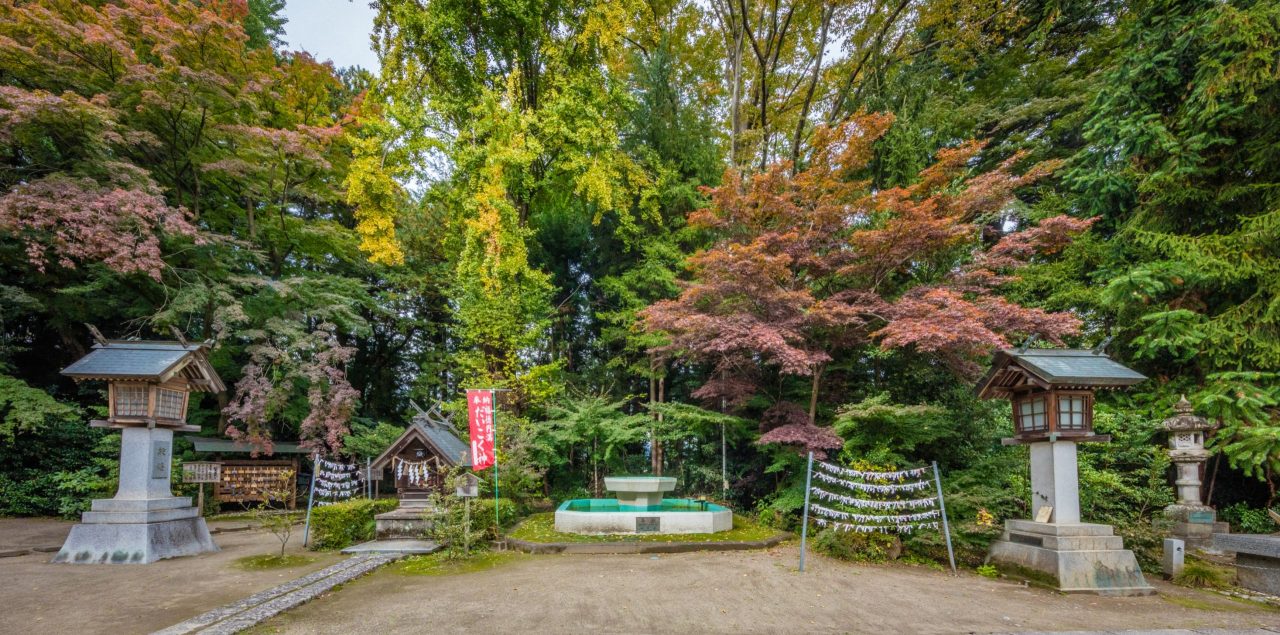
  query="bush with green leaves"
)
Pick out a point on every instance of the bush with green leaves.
point(1248, 520)
point(343, 524)
point(856, 546)
point(509, 513)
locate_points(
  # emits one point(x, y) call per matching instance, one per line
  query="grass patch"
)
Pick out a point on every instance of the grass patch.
point(438, 564)
point(1202, 575)
point(542, 528)
point(272, 561)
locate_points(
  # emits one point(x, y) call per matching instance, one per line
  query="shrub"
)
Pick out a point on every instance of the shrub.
point(482, 515)
point(344, 524)
point(783, 510)
point(988, 571)
point(1146, 541)
point(1247, 520)
point(857, 547)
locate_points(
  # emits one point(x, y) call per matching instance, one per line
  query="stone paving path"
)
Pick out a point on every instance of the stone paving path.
point(238, 616)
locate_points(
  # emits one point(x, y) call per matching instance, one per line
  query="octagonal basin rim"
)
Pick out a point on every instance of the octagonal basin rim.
point(639, 483)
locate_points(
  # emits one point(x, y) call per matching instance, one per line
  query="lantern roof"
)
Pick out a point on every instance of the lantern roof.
point(148, 361)
point(1058, 368)
point(1185, 420)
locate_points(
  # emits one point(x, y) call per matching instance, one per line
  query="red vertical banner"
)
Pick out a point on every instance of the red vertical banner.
point(480, 418)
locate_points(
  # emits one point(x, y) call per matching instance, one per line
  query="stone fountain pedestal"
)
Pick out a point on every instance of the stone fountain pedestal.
point(145, 522)
point(639, 493)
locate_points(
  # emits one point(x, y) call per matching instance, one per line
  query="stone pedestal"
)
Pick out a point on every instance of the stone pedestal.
point(1069, 557)
point(145, 522)
point(1195, 524)
point(1054, 481)
point(640, 493)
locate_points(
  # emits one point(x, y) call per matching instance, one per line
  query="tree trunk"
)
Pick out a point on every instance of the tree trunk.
point(827, 14)
point(662, 397)
point(813, 394)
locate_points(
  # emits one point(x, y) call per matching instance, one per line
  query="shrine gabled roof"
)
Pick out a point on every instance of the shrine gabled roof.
point(435, 430)
point(1055, 367)
point(153, 361)
point(446, 441)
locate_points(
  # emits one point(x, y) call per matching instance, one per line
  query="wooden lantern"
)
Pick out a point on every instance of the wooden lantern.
point(1052, 390)
point(149, 383)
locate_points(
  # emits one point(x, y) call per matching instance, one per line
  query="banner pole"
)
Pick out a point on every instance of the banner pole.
point(804, 523)
point(311, 494)
point(942, 507)
point(497, 522)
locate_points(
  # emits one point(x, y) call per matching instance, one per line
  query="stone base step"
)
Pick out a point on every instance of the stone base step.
point(395, 546)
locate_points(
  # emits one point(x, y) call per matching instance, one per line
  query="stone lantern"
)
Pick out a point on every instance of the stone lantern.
point(1193, 521)
point(149, 386)
point(1052, 393)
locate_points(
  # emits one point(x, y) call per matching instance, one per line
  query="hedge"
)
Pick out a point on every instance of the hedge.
point(482, 512)
point(347, 523)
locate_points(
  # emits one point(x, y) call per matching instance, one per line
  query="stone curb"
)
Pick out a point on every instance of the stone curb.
point(264, 605)
point(1269, 630)
point(231, 529)
point(641, 547)
point(22, 551)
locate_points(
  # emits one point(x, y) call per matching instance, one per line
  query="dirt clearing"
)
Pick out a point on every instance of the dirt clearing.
point(735, 592)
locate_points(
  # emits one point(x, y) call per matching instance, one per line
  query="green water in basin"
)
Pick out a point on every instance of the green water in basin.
point(612, 505)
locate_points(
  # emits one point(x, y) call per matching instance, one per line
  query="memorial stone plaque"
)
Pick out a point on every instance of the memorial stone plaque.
point(159, 459)
point(648, 524)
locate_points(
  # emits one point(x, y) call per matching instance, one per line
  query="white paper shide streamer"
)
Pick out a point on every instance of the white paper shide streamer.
point(335, 481)
point(414, 472)
point(874, 502)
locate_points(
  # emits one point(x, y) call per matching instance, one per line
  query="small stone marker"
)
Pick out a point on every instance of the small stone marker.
point(1044, 514)
point(1174, 552)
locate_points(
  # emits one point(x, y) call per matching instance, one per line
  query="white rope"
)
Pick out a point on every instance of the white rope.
point(872, 487)
point(866, 503)
point(867, 475)
point(872, 518)
point(867, 529)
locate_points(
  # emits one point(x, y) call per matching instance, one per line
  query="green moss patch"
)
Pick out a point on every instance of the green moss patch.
point(542, 528)
point(441, 564)
point(272, 561)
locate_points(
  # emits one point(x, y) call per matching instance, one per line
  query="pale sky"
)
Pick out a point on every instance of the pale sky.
point(335, 30)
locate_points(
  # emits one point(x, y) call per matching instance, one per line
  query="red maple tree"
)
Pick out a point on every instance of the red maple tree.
point(806, 264)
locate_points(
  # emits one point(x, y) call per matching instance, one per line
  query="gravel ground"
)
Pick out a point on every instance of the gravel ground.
point(737, 592)
point(39, 597)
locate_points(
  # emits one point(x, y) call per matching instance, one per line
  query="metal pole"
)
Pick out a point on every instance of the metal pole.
point(942, 507)
point(497, 522)
point(724, 466)
point(368, 477)
point(804, 523)
point(466, 523)
point(311, 494)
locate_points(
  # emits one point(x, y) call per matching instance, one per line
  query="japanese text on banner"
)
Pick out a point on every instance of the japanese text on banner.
point(480, 418)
